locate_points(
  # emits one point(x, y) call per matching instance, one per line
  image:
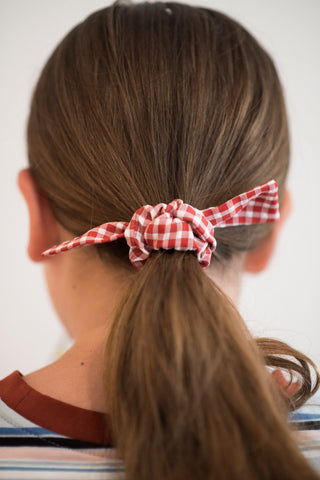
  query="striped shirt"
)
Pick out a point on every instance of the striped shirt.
point(43, 438)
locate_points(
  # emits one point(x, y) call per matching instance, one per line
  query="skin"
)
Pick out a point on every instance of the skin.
point(86, 307)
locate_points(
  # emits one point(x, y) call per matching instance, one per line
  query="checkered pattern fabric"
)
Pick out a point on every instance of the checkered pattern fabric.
point(180, 226)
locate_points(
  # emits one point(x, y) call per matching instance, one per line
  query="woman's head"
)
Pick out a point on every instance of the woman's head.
point(141, 104)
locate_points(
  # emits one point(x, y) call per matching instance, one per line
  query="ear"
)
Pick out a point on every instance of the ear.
point(43, 227)
point(258, 258)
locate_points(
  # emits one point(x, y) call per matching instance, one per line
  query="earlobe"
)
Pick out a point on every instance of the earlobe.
point(258, 258)
point(43, 227)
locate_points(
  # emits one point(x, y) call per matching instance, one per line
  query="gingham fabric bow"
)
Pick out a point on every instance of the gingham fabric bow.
point(180, 226)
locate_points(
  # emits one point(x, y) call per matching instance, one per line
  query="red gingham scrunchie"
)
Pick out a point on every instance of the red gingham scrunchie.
point(180, 226)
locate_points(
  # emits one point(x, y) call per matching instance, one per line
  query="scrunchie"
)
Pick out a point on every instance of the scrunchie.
point(175, 226)
point(180, 226)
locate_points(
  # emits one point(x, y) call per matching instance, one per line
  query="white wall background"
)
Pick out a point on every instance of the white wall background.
point(285, 300)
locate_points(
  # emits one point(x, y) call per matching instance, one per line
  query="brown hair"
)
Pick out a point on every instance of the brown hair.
point(141, 104)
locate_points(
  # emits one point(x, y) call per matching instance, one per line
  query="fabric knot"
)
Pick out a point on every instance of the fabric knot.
point(181, 227)
point(175, 226)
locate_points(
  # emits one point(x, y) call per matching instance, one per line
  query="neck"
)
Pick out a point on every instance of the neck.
point(88, 308)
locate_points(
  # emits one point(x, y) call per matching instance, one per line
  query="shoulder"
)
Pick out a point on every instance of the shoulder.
point(29, 450)
point(307, 417)
point(306, 422)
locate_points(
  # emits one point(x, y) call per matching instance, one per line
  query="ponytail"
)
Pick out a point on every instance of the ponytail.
point(188, 394)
